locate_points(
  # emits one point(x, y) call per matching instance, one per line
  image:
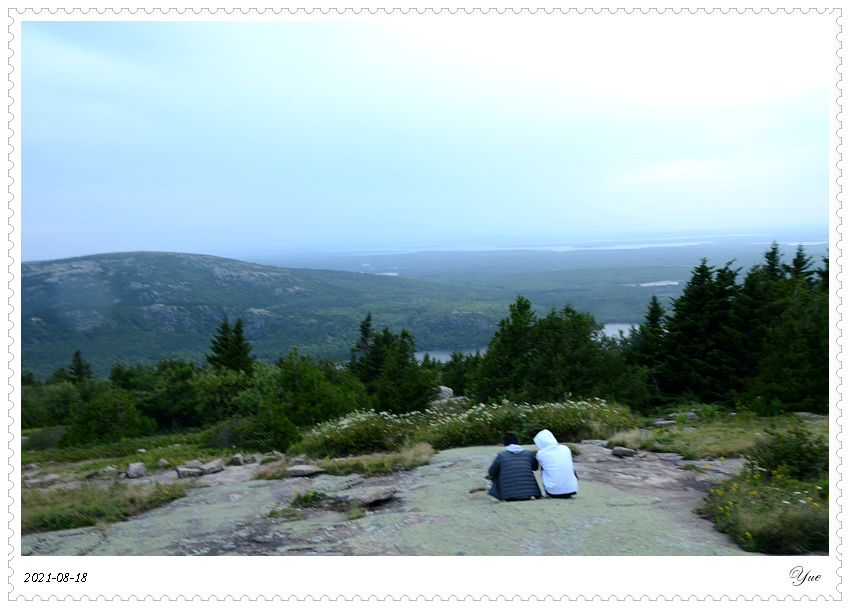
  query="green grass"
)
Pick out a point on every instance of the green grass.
point(771, 514)
point(730, 437)
point(381, 464)
point(307, 499)
point(89, 505)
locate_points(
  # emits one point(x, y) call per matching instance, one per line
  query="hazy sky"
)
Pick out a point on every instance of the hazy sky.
point(229, 137)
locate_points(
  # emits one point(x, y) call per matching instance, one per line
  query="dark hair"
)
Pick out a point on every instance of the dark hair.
point(511, 438)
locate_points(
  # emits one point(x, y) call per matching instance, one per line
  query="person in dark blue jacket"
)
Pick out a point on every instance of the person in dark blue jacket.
point(513, 472)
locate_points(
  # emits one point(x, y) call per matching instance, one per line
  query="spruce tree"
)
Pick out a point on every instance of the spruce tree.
point(79, 370)
point(230, 349)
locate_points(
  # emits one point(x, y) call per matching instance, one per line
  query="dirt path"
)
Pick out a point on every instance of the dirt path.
point(639, 505)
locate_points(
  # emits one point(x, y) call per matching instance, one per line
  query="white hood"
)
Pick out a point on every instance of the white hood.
point(556, 462)
point(514, 448)
point(545, 439)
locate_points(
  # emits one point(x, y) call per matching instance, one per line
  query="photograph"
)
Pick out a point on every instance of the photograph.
point(424, 303)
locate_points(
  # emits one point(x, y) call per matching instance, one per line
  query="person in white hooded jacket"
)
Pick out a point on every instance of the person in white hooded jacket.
point(556, 462)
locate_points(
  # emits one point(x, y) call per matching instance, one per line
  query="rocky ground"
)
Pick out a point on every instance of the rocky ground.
point(630, 505)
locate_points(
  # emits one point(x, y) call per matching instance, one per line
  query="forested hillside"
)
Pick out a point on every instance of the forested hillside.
point(758, 344)
point(142, 307)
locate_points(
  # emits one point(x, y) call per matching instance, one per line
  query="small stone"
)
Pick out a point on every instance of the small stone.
point(299, 460)
point(163, 463)
point(692, 416)
point(189, 472)
point(237, 459)
point(141, 450)
point(300, 471)
point(621, 451)
point(660, 424)
point(194, 463)
point(213, 467)
point(31, 466)
point(136, 470)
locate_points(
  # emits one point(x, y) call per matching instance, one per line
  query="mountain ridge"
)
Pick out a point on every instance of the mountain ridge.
point(143, 306)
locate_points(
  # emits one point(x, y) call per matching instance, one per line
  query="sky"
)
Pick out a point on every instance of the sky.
point(239, 137)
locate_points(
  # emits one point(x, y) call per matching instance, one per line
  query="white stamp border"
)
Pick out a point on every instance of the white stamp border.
point(410, 579)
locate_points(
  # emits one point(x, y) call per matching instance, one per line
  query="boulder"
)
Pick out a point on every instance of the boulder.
point(367, 495)
point(163, 463)
point(136, 470)
point(31, 466)
point(194, 463)
point(621, 451)
point(189, 472)
point(661, 424)
point(237, 459)
point(300, 459)
point(213, 467)
point(446, 393)
point(301, 471)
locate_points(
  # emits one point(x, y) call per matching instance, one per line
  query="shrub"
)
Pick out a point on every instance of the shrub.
point(769, 515)
point(565, 422)
point(795, 453)
point(258, 432)
point(359, 433)
point(44, 438)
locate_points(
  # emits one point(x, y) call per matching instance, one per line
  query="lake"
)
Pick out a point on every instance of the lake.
point(444, 355)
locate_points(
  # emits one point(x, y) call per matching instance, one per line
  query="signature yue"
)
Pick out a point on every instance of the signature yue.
point(800, 577)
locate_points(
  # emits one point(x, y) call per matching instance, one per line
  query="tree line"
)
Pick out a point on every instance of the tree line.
point(759, 342)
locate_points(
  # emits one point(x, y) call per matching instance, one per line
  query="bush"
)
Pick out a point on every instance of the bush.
point(794, 453)
point(359, 433)
point(258, 433)
point(44, 438)
point(772, 516)
point(566, 424)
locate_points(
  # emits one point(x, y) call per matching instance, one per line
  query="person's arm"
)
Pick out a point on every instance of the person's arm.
point(495, 467)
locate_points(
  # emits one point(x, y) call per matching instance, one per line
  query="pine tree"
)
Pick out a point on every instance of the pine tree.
point(702, 344)
point(80, 370)
point(506, 366)
point(230, 349)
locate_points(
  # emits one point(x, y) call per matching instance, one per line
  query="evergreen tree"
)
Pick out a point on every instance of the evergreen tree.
point(230, 349)
point(506, 366)
point(644, 345)
point(394, 379)
point(701, 344)
point(79, 370)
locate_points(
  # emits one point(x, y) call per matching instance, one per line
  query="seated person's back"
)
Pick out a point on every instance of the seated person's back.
point(556, 464)
point(512, 472)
